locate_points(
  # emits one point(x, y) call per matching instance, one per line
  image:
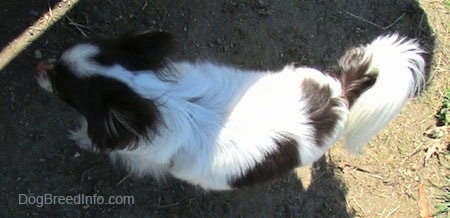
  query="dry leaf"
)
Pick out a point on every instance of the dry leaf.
point(424, 209)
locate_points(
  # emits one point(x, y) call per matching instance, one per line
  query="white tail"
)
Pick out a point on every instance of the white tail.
point(400, 69)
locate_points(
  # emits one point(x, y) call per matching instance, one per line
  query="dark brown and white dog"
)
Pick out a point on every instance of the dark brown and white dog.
point(218, 126)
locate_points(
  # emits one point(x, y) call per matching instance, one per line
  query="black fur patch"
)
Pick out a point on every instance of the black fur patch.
point(275, 164)
point(142, 51)
point(321, 111)
point(117, 116)
point(355, 80)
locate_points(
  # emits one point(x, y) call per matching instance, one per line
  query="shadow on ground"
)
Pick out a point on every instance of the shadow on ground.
point(37, 159)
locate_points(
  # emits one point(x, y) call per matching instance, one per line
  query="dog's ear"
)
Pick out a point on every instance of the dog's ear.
point(123, 119)
point(152, 43)
point(137, 51)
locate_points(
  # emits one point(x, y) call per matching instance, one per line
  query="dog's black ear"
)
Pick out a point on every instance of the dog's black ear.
point(136, 51)
point(154, 43)
point(123, 119)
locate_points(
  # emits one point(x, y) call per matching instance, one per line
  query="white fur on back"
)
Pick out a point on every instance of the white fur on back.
point(220, 122)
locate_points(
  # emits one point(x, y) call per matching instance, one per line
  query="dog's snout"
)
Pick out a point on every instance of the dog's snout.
point(42, 70)
point(43, 67)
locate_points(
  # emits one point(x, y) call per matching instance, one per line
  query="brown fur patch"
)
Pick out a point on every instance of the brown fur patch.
point(353, 70)
point(321, 111)
point(275, 164)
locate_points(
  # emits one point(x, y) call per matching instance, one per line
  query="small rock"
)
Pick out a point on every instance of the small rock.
point(263, 12)
point(34, 12)
point(435, 132)
point(77, 154)
point(37, 54)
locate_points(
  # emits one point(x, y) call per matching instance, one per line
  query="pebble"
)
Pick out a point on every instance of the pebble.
point(34, 12)
point(37, 54)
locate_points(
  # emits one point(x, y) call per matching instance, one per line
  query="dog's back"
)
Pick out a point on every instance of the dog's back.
point(220, 127)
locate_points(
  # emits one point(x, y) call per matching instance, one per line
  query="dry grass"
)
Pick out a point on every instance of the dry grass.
point(402, 159)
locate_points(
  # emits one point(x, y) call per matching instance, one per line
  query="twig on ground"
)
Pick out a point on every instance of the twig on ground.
point(50, 11)
point(78, 26)
point(166, 205)
point(360, 207)
point(393, 211)
point(416, 150)
point(82, 178)
point(374, 24)
point(123, 179)
point(317, 178)
point(342, 165)
point(145, 5)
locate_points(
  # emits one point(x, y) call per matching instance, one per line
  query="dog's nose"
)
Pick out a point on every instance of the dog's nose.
point(42, 70)
point(43, 67)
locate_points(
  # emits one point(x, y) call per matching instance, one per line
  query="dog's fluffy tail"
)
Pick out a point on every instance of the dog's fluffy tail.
point(377, 80)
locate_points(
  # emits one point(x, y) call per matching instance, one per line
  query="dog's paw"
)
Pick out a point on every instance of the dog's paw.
point(81, 138)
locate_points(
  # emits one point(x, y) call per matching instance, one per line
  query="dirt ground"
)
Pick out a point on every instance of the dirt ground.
point(36, 158)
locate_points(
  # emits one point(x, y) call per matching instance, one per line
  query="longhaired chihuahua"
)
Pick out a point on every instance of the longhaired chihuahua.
point(221, 127)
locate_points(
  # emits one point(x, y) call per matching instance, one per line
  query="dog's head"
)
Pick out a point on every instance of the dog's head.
point(89, 76)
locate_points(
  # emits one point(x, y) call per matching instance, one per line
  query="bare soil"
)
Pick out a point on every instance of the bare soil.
point(36, 158)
